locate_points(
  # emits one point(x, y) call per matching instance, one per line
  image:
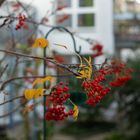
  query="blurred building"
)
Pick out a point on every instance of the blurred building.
point(90, 19)
point(126, 27)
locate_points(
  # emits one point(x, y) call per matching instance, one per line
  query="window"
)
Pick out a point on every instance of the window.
point(85, 3)
point(86, 20)
point(78, 14)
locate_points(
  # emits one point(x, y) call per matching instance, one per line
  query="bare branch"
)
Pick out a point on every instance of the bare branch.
point(17, 108)
point(4, 22)
point(14, 110)
point(24, 55)
point(46, 25)
point(18, 78)
point(25, 77)
point(11, 100)
point(104, 63)
point(41, 58)
point(4, 69)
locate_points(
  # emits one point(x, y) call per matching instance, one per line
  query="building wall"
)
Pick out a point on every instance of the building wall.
point(127, 29)
point(105, 24)
point(102, 32)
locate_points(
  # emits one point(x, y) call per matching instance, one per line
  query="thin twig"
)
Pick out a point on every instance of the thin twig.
point(4, 69)
point(25, 77)
point(14, 110)
point(50, 26)
point(11, 100)
point(49, 59)
point(24, 55)
point(18, 78)
point(104, 63)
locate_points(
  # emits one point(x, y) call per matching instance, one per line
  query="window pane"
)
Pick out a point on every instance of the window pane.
point(66, 3)
point(85, 3)
point(64, 20)
point(86, 20)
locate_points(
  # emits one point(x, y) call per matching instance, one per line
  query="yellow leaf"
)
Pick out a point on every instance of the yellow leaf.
point(38, 93)
point(76, 112)
point(33, 93)
point(28, 93)
point(48, 78)
point(79, 77)
point(85, 74)
point(42, 80)
point(86, 70)
point(40, 42)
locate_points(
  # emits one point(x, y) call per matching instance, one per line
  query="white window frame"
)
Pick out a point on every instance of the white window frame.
point(75, 10)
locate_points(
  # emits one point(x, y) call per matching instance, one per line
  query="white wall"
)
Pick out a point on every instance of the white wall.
point(105, 24)
point(103, 31)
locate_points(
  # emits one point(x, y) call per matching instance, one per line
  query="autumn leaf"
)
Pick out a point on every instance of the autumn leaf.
point(76, 112)
point(28, 94)
point(42, 80)
point(33, 93)
point(84, 74)
point(40, 42)
point(86, 70)
point(38, 93)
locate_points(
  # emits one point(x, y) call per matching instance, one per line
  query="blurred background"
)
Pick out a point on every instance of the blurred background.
point(113, 23)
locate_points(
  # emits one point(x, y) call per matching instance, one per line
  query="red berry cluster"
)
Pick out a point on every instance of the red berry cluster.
point(57, 113)
point(95, 90)
point(116, 66)
point(98, 50)
point(120, 81)
point(58, 97)
point(21, 22)
point(122, 73)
